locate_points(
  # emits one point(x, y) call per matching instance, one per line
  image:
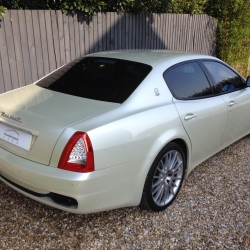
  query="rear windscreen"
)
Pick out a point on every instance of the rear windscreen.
point(103, 79)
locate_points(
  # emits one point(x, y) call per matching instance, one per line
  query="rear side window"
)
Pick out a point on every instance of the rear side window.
point(225, 78)
point(103, 79)
point(187, 81)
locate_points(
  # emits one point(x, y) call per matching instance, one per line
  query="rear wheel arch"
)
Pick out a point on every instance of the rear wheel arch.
point(184, 147)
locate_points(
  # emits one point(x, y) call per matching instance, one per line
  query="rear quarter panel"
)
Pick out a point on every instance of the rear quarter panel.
point(135, 137)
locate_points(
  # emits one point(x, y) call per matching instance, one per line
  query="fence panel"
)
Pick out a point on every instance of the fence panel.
point(36, 42)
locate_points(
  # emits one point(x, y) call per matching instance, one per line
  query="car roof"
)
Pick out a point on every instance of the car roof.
point(151, 57)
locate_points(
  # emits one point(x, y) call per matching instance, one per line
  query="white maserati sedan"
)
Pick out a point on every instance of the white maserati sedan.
point(117, 129)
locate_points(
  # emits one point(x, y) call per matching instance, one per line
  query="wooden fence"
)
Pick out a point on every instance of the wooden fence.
point(36, 42)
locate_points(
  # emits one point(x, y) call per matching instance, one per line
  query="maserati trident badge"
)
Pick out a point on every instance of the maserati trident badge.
point(157, 93)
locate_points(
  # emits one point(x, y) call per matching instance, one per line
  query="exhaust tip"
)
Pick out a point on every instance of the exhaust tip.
point(63, 200)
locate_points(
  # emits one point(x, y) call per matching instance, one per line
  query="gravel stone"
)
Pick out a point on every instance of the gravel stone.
point(212, 211)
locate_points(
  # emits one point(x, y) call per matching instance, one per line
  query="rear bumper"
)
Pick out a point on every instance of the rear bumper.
point(101, 190)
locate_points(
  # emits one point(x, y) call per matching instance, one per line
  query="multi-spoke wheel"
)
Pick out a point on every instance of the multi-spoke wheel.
point(164, 178)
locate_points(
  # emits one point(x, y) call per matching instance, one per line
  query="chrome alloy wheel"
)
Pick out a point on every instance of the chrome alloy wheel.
point(167, 178)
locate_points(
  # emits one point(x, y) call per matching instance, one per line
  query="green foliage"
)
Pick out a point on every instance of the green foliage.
point(2, 11)
point(92, 6)
point(188, 7)
point(137, 6)
point(233, 36)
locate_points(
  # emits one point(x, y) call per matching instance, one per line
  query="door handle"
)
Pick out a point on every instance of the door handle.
point(231, 103)
point(189, 117)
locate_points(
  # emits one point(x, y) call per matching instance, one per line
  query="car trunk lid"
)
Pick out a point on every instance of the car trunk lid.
point(39, 116)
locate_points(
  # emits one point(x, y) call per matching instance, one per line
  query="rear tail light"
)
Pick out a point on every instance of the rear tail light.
point(78, 155)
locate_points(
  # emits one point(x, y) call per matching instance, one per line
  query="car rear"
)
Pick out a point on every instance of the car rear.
point(33, 119)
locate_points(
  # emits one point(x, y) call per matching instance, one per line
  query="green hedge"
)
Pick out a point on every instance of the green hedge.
point(233, 36)
point(93, 6)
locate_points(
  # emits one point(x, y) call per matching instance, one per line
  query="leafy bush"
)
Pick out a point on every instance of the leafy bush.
point(233, 36)
point(2, 11)
point(188, 7)
point(92, 6)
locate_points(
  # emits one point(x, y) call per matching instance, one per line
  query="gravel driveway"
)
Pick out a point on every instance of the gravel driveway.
point(212, 211)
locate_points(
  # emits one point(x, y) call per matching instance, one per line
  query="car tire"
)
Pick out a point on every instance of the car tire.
point(164, 178)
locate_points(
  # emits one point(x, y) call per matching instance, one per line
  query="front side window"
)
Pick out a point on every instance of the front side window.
point(188, 81)
point(103, 79)
point(225, 79)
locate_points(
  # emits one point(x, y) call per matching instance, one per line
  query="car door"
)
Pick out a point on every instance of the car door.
point(203, 115)
point(232, 88)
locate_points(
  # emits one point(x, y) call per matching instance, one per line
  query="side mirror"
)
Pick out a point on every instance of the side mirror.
point(248, 81)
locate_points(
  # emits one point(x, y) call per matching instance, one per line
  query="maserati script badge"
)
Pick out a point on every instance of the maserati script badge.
point(14, 118)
